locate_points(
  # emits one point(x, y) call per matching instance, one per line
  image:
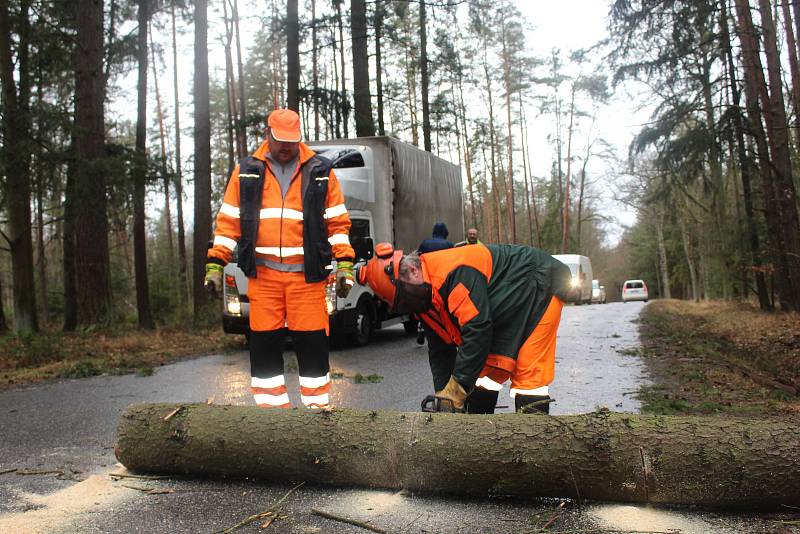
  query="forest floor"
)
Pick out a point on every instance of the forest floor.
point(719, 357)
point(53, 354)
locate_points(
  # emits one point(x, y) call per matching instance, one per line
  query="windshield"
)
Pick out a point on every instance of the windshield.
point(595, 284)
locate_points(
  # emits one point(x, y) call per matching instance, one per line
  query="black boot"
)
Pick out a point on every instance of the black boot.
point(531, 403)
point(482, 401)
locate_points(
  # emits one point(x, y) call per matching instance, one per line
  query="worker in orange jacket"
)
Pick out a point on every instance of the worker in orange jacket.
point(284, 212)
point(491, 315)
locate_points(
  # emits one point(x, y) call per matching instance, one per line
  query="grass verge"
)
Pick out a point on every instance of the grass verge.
point(720, 357)
point(54, 354)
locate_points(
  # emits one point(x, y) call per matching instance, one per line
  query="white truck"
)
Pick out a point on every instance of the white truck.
point(394, 193)
point(580, 291)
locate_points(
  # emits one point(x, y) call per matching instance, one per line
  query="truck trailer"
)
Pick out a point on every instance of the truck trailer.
point(394, 193)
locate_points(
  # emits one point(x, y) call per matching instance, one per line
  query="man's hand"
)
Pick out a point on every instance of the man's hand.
point(213, 280)
point(344, 278)
point(455, 392)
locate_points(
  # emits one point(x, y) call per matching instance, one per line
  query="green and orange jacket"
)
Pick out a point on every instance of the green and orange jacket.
point(486, 299)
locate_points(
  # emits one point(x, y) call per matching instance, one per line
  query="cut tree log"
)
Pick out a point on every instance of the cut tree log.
point(708, 461)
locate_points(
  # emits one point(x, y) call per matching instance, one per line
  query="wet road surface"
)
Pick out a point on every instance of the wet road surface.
point(68, 427)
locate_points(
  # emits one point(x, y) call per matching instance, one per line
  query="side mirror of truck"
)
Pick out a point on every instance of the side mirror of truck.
point(363, 248)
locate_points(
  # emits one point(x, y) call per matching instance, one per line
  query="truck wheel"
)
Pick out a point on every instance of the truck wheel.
point(365, 325)
point(411, 326)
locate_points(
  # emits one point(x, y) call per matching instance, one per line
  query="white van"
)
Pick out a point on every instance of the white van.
point(581, 285)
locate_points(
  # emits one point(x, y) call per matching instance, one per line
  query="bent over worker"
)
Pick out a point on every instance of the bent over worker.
point(284, 210)
point(492, 314)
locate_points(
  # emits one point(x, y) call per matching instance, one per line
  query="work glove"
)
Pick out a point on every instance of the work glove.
point(213, 279)
point(455, 392)
point(344, 278)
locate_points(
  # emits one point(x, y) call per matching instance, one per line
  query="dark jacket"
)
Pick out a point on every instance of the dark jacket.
point(438, 241)
point(486, 300)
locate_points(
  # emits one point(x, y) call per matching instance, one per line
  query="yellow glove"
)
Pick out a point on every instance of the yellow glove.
point(213, 279)
point(455, 392)
point(344, 278)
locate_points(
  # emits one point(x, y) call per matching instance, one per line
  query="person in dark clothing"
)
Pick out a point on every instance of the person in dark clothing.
point(437, 241)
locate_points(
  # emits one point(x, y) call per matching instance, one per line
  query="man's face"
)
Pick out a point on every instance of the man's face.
point(281, 151)
point(472, 236)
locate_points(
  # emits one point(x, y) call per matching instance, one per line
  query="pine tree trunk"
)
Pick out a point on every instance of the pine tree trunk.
point(16, 152)
point(791, 47)
point(231, 115)
point(754, 87)
point(202, 155)
point(315, 68)
point(183, 280)
point(745, 165)
point(292, 56)
point(345, 101)
point(689, 255)
point(705, 461)
point(378, 18)
point(241, 126)
point(424, 80)
point(91, 254)
point(140, 177)
point(663, 267)
point(568, 180)
point(162, 139)
point(510, 203)
point(365, 126)
point(778, 129)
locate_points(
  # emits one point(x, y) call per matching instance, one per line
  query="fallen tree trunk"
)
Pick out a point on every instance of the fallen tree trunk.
point(607, 456)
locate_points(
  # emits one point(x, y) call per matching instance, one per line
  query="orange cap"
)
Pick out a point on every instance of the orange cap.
point(284, 125)
point(375, 272)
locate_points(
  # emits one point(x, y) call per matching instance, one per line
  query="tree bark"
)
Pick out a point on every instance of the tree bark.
point(510, 207)
point(92, 266)
point(365, 126)
point(424, 78)
point(140, 177)
point(16, 156)
point(690, 261)
point(163, 141)
point(568, 180)
point(746, 167)
point(292, 56)
point(778, 129)
point(663, 268)
point(708, 461)
point(241, 125)
point(345, 102)
point(184, 287)
point(314, 68)
point(202, 155)
point(378, 20)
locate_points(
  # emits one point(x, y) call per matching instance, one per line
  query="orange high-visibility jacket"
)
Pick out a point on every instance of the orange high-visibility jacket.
point(280, 229)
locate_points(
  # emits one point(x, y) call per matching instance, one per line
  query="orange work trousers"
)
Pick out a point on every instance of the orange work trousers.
point(534, 368)
point(279, 299)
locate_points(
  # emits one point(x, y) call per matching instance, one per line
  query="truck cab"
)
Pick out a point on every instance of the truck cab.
point(580, 291)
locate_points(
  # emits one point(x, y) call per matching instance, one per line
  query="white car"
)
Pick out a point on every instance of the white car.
point(634, 290)
point(598, 292)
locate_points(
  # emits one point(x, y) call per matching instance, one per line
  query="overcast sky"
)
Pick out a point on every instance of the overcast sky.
point(565, 24)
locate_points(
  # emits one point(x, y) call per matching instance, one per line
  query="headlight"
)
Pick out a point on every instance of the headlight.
point(233, 305)
point(576, 282)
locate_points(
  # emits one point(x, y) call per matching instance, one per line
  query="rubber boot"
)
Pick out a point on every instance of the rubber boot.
point(482, 401)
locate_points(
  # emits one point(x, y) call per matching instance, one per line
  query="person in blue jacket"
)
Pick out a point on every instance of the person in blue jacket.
point(437, 241)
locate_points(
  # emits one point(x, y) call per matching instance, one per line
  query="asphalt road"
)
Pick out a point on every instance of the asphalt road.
point(59, 440)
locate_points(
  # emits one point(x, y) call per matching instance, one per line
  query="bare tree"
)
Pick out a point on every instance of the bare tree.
point(140, 176)
point(292, 56)
point(202, 155)
point(365, 126)
point(16, 155)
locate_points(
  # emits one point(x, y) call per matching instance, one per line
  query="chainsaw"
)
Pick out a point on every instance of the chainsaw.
point(434, 404)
